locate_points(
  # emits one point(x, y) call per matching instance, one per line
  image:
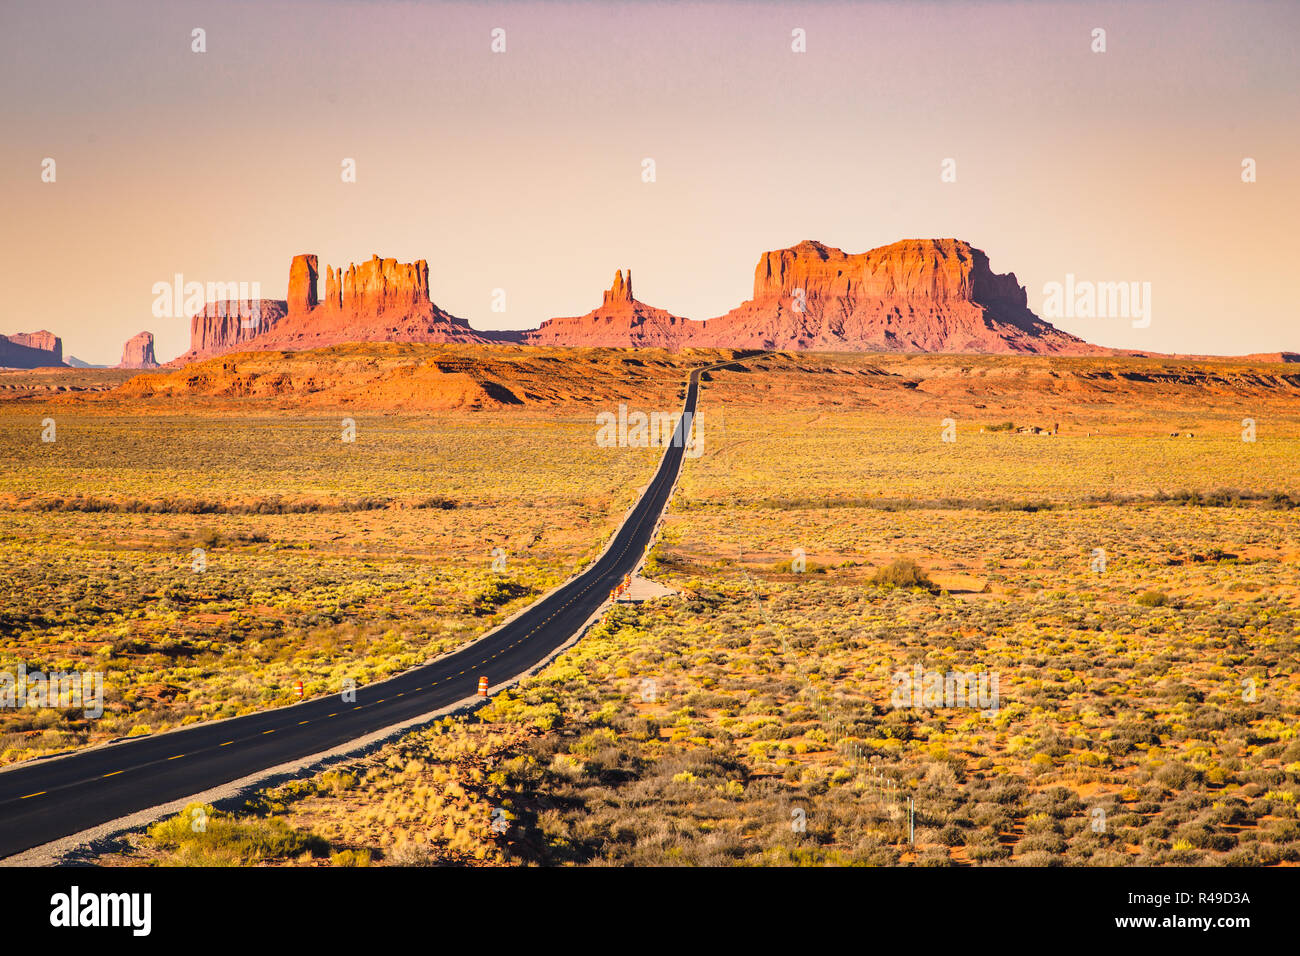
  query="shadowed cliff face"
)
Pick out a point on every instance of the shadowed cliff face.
point(302, 284)
point(231, 324)
point(30, 350)
point(138, 352)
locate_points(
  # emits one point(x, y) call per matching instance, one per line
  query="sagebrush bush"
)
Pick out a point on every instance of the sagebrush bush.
point(1153, 599)
point(902, 573)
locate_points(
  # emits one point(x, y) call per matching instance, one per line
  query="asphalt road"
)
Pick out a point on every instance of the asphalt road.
point(45, 800)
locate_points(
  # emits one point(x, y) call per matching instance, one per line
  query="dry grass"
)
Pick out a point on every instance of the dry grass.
point(320, 560)
point(1146, 706)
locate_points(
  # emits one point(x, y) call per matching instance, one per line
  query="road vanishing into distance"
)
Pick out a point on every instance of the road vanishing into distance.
point(47, 799)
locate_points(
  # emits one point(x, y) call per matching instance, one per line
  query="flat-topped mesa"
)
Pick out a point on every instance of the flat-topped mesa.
point(620, 293)
point(940, 270)
point(41, 349)
point(43, 340)
point(922, 295)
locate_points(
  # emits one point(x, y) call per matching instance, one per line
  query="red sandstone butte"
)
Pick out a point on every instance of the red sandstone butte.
point(138, 352)
point(620, 321)
point(380, 300)
point(302, 284)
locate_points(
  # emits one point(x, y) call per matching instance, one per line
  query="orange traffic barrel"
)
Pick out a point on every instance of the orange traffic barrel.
point(298, 689)
point(482, 686)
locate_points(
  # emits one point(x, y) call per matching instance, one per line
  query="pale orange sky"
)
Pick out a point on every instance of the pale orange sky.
point(522, 170)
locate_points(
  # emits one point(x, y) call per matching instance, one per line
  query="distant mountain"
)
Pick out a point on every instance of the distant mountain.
point(75, 362)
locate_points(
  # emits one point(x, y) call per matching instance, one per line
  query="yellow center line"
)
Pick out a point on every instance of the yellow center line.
point(227, 743)
point(177, 757)
point(265, 732)
point(30, 795)
point(114, 773)
point(301, 722)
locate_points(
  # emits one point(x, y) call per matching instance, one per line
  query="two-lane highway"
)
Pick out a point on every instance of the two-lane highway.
point(45, 800)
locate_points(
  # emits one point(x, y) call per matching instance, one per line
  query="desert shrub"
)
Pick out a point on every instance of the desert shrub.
point(350, 858)
point(787, 567)
point(442, 504)
point(1204, 838)
point(410, 854)
point(336, 781)
point(1153, 599)
point(494, 594)
point(952, 836)
point(1043, 842)
point(1176, 775)
point(902, 573)
point(934, 856)
point(1058, 802)
point(986, 851)
point(201, 836)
